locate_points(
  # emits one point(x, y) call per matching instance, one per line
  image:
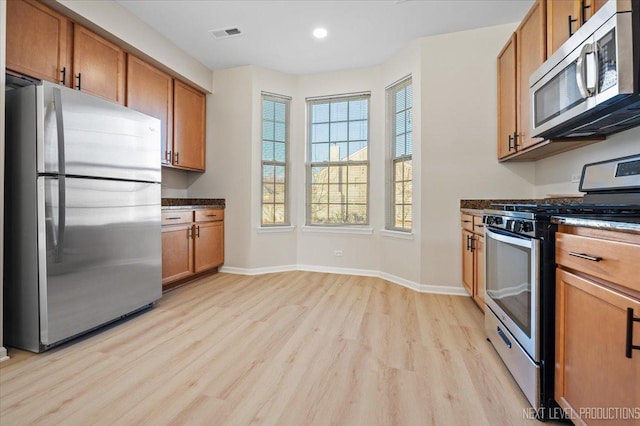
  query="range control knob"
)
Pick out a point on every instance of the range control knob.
point(509, 225)
point(527, 227)
point(517, 226)
point(497, 220)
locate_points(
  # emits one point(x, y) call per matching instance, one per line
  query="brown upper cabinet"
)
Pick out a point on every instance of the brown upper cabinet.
point(98, 65)
point(188, 128)
point(507, 116)
point(38, 42)
point(150, 91)
point(564, 17)
point(523, 54)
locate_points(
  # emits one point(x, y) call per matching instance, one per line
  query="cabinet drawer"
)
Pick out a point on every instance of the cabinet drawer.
point(209, 215)
point(466, 221)
point(478, 226)
point(613, 261)
point(175, 217)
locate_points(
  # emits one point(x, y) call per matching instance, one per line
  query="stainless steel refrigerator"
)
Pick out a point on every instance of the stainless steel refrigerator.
point(82, 214)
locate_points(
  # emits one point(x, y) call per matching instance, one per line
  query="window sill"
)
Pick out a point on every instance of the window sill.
point(396, 234)
point(275, 229)
point(338, 229)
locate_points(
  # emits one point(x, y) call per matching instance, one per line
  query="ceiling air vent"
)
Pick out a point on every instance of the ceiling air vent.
point(226, 33)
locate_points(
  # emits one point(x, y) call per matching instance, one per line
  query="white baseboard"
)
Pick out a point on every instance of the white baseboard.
point(3, 354)
point(421, 288)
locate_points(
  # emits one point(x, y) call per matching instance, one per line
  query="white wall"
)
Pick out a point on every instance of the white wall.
point(3, 26)
point(553, 174)
point(459, 106)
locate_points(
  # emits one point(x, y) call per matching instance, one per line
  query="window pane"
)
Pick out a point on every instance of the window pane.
point(267, 110)
point(339, 151)
point(267, 214)
point(337, 213)
point(358, 151)
point(319, 193)
point(279, 172)
point(279, 194)
point(268, 192)
point(400, 148)
point(409, 144)
point(357, 214)
point(335, 193)
point(357, 193)
point(357, 174)
point(358, 110)
point(320, 152)
point(279, 131)
point(400, 100)
point(319, 213)
point(409, 120)
point(320, 113)
point(280, 112)
point(339, 111)
point(280, 153)
point(400, 123)
point(319, 175)
point(267, 130)
point(409, 91)
point(319, 133)
point(267, 151)
point(338, 132)
point(407, 170)
point(268, 173)
point(279, 214)
point(357, 130)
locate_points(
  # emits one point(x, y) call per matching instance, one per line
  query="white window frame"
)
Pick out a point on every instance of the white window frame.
point(392, 90)
point(272, 97)
point(310, 163)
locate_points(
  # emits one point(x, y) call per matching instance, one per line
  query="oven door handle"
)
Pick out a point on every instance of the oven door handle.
point(509, 238)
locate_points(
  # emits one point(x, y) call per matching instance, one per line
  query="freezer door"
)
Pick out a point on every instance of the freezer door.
point(102, 253)
point(88, 136)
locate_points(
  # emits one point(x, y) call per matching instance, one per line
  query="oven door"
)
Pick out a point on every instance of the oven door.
point(513, 282)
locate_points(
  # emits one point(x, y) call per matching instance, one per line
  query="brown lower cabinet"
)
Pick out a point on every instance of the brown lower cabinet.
point(597, 298)
point(192, 243)
point(473, 257)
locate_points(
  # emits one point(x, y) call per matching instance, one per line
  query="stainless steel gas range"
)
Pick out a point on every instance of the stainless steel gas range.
point(520, 271)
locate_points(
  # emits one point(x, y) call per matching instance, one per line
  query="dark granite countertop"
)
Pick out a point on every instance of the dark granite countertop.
point(193, 203)
point(616, 223)
point(486, 204)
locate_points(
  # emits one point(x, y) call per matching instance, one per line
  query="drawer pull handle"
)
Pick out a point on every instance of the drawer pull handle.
point(585, 256)
point(173, 218)
point(212, 215)
point(504, 337)
point(466, 221)
point(630, 320)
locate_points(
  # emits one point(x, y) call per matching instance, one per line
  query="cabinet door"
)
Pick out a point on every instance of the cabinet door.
point(592, 369)
point(209, 245)
point(531, 54)
point(177, 252)
point(478, 272)
point(189, 127)
point(467, 261)
point(507, 119)
point(149, 90)
point(561, 14)
point(98, 65)
point(37, 41)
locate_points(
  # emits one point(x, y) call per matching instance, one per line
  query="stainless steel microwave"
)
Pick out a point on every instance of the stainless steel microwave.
point(590, 86)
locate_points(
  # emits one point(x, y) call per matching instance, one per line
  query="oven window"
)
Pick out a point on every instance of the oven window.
point(509, 280)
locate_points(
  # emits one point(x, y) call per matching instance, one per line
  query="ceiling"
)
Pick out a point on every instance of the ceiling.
point(277, 34)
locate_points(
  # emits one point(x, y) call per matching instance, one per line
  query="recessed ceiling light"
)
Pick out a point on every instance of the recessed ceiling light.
point(320, 32)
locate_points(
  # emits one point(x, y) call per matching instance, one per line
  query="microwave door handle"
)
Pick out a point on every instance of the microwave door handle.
point(581, 71)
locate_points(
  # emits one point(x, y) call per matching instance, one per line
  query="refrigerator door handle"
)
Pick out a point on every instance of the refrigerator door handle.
point(57, 102)
point(62, 207)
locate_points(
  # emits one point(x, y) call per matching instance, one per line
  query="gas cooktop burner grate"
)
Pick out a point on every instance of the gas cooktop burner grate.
point(571, 208)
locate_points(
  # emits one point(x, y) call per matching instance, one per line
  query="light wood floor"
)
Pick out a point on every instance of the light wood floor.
point(295, 348)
